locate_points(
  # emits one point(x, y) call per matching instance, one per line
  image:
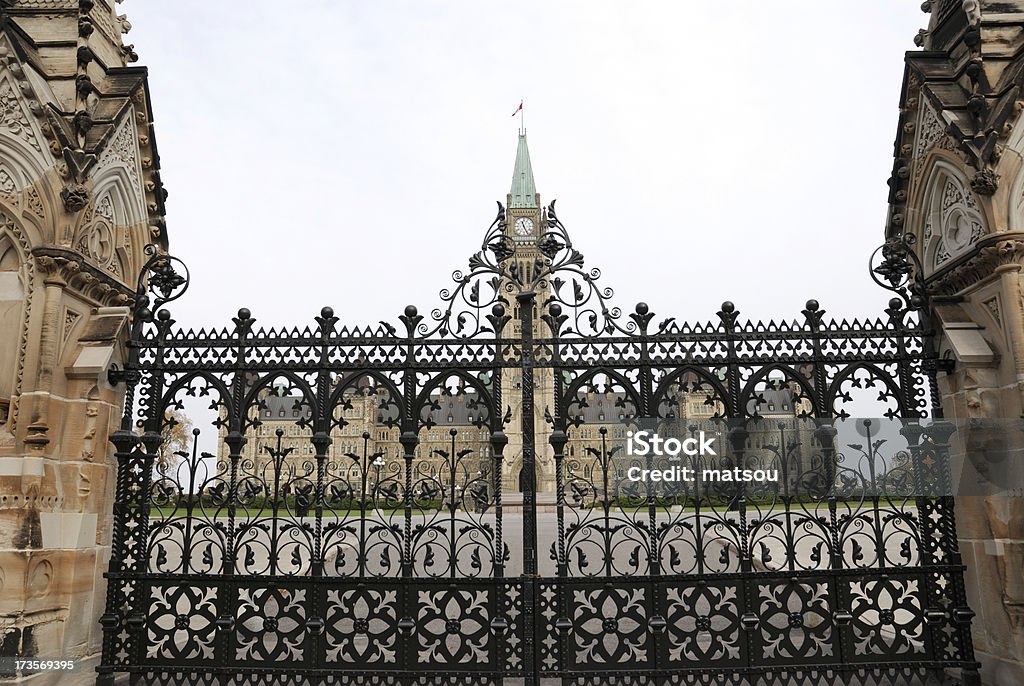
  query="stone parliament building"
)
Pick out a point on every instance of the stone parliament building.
point(81, 198)
point(363, 426)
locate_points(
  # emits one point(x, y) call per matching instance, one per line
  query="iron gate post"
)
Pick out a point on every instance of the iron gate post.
point(118, 589)
point(526, 304)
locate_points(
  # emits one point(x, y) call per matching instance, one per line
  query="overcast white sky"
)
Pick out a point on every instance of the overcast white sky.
point(349, 153)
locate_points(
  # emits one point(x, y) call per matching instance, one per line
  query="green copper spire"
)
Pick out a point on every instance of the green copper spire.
point(524, 192)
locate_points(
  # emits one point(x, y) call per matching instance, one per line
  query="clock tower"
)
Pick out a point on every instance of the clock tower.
point(524, 215)
point(524, 221)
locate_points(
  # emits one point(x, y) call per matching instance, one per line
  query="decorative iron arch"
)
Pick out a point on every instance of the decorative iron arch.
point(665, 384)
point(438, 382)
point(251, 397)
point(835, 389)
point(748, 394)
point(571, 393)
point(155, 419)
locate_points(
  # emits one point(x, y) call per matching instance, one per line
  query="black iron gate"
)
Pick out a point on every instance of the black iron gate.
point(353, 521)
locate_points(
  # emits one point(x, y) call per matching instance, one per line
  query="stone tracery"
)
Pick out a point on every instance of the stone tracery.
point(953, 221)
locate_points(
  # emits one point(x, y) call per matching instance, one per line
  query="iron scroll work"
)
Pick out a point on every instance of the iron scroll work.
point(309, 563)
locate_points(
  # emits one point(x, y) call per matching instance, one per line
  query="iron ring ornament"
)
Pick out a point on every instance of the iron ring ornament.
point(895, 266)
point(163, 279)
point(351, 519)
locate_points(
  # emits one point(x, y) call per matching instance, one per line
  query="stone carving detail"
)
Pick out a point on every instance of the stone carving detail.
point(105, 208)
point(930, 130)
point(33, 203)
point(991, 253)
point(49, 4)
point(75, 197)
point(70, 319)
point(7, 183)
point(84, 486)
point(84, 278)
point(992, 306)
point(97, 238)
point(13, 117)
point(973, 10)
point(985, 182)
point(89, 440)
point(123, 149)
point(955, 224)
point(104, 21)
point(98, 244)
point(40, 578)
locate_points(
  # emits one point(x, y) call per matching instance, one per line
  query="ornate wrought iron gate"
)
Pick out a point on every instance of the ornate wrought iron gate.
point(303, 562)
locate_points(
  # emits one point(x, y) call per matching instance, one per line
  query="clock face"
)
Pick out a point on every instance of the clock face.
point(524, 227)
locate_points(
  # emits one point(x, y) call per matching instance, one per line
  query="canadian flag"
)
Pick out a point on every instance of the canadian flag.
point(518, 108)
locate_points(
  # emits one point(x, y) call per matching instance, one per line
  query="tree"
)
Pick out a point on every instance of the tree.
point(177, 435)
